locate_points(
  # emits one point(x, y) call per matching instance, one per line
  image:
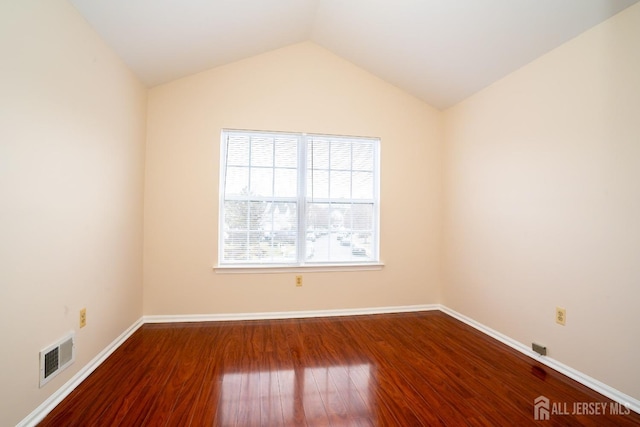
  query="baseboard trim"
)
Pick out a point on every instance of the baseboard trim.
point(287, 314)
point(50, 403)
point(586, 380)
point(47, 406)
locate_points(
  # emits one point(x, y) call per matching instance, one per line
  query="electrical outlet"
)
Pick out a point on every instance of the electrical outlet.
point(83, 317)
point(298, 281)
point(561, 316)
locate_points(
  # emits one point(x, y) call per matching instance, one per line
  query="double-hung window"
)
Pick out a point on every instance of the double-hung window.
point(289, 199)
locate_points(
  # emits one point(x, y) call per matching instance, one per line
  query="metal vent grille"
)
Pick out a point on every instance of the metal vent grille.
point(56, 357)
point(51, 362)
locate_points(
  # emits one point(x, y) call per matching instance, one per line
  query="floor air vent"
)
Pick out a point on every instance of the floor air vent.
point(56, 357)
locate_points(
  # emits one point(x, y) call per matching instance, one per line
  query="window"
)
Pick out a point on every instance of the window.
point(298, 199)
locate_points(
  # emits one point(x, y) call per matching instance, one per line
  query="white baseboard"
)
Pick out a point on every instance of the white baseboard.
point(287, 314)
point(592, 383)
point(47, 406)
point(41, 411)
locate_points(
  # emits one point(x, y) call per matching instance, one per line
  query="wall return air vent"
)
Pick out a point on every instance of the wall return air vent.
point(55, 358)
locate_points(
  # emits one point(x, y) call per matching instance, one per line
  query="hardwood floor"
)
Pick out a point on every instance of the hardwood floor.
point(409, 369)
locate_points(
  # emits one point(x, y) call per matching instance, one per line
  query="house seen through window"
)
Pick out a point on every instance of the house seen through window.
point(298, 199)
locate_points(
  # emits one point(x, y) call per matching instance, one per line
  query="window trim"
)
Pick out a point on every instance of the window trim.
point(306, 268)
point(300, 262)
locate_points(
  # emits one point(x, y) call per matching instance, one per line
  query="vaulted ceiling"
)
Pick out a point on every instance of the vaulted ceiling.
point(441, 51)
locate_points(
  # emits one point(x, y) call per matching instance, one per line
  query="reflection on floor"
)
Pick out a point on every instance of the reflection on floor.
point(279, 395)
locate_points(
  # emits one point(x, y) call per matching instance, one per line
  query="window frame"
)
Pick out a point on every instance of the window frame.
point(302, 199)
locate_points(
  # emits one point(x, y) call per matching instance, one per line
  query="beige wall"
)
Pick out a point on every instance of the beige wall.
point(71, 178)
point(302, 88)
point(542, 203)
point(541, 183)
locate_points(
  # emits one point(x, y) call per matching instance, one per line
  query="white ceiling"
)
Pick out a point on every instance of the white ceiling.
point(441, 51)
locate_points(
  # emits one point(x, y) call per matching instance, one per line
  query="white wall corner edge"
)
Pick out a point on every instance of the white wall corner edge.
point(586, 380)
point(58, 396)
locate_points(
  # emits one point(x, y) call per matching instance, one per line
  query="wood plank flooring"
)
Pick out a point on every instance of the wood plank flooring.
point(411, 369)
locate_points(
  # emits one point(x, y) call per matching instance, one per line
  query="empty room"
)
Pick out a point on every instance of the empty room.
point(320, 212)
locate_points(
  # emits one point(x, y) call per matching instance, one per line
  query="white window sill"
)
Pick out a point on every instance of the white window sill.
point(250, 269)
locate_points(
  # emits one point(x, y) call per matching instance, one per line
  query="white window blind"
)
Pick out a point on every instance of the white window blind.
point(297, 199)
